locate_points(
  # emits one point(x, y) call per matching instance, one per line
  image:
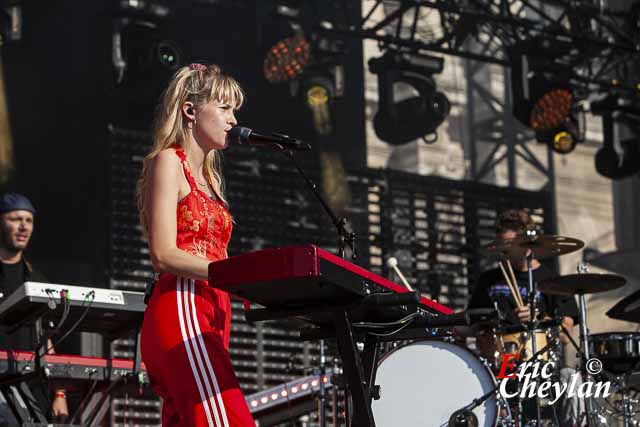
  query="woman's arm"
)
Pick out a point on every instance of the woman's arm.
point(162, 197)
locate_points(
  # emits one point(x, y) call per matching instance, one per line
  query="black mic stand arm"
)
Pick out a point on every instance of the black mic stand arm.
point(345, 235)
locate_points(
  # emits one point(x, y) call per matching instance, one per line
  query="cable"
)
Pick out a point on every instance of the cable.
point(91, 295)
point(371, 325)
point(388, 334)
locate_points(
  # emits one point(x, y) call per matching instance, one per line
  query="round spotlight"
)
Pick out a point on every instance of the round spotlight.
point(287, 59)
point(551, 110)
point(168, 54)
point(563, 142)
point(317, 95)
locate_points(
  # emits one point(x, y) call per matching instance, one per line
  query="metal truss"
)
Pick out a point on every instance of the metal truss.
point(596, 43)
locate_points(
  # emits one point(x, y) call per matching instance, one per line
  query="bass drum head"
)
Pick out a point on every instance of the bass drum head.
point(423, 383)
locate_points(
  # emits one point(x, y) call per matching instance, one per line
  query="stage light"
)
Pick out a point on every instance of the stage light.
point(400, 122)
point(563, 142)
point(619, 156)
point(318, 94)
point(563, 136)
point(168, 54)
point(545, 102)
point(287, 59)
point(551, 110)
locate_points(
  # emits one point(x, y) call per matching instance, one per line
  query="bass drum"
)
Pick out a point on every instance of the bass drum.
point(424, 383)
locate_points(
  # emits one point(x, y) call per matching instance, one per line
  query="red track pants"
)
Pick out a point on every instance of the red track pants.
point(185, 341)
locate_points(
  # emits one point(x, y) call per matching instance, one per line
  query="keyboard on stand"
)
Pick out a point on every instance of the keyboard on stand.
point(331, 294)
point(110, 312)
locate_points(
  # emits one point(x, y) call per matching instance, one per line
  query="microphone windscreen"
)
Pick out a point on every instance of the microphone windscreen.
point(238, 135)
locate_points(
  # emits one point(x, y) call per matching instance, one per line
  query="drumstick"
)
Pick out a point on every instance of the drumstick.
point(514, 281)
point(393, 264)
point(513, 291)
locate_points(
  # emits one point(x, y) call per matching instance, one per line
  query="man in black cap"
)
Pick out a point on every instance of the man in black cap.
point(16, 226)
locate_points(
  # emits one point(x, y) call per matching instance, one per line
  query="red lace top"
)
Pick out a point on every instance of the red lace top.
point(204, 225)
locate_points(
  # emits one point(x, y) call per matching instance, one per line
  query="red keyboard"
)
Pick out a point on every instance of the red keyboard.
point(301, 276)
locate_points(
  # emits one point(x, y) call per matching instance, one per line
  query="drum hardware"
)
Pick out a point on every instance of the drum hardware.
point(429, 396)
point(627, 309)
point(527, 247)
point(625, 407)
point(581, 284)
point(542, 246)
point(463, 418)
point(617, 350)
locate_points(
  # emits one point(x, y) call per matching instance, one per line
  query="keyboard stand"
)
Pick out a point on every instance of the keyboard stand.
point(354, 369)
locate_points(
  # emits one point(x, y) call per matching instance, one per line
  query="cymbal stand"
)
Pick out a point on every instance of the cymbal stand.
point(584, 343)
point(533, 323)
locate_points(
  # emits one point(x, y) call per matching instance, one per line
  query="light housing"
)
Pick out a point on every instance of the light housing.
point(400, 122)
point(287, 59)
point(318, 93)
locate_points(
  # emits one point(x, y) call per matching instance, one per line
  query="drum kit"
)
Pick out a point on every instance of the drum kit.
point(440, 382)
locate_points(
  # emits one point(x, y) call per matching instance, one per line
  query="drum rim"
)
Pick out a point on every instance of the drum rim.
point(620, 335)
point(481, 359)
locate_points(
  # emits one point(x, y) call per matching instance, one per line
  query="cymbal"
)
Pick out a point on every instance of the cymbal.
point(542, 246)
point(627, 309)
point(588, 283)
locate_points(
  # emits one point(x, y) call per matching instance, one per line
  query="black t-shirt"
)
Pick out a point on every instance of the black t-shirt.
point(492, 287)
point(12, 276)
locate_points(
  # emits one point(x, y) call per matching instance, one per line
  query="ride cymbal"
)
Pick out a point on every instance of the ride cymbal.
point(587, 283)
point(542, 246)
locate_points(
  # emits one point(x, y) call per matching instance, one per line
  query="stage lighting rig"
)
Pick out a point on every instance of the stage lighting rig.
point(318, 91)
point(618, 158)
point(140, 47)
point(400, 122)
point(287, 59)
point(545, 101)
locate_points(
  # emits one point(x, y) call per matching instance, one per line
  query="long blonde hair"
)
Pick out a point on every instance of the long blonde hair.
point(200, 85)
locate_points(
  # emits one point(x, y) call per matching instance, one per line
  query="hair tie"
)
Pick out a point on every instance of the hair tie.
point(197, 67)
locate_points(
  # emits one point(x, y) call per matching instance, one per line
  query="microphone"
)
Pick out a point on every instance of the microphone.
point(392, 263)
point(245, 136)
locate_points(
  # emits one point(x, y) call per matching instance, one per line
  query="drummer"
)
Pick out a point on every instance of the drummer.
point(491, 289)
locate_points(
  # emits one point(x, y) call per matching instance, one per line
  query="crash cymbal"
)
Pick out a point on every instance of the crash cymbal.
point(588, 283)
point(627, 309)
point(543, 246)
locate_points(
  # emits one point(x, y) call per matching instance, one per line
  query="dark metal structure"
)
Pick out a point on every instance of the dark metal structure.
point(598, 40)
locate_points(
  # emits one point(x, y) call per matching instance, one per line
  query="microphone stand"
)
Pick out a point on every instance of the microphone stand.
point(533, 323)
point(345, 236)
